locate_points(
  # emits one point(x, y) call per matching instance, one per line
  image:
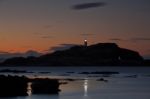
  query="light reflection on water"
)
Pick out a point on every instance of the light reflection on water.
point(29, 88)
point(117, 87)
point(85, 87)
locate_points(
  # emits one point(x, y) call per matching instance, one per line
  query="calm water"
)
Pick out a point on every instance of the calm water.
point(131, 83)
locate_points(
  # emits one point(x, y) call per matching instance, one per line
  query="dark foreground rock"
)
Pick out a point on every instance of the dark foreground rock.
point(45, 86)
point(11, 86)
point(102, 79)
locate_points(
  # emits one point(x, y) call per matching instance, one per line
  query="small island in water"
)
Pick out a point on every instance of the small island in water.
point(101, 54)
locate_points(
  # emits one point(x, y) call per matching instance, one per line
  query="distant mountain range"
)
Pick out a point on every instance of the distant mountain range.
point(101, 54)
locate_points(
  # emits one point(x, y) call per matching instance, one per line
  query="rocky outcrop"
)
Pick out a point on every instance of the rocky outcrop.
point(12, 86)
point(102, 54)
point(45, 86)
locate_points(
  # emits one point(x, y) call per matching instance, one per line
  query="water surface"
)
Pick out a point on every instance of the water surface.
point(130, 83)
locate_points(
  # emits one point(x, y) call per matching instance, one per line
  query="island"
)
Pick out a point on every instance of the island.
point(101, 54)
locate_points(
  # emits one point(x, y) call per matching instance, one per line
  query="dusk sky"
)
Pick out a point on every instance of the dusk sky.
point(42, 24)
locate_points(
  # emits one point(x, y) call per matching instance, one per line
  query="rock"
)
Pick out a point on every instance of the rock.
point(44, 72)
point(45, 86)
point(12, 86)
point(102, 79)
point(85, 73)
point(70, 72)
point(131, 76)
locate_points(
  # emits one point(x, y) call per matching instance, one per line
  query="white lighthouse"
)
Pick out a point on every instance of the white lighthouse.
point(85, 43)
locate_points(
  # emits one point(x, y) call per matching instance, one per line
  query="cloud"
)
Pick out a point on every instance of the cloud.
point(132, 39)
point(140, 39)
point(88, 5)
point(3, 52)
point(61, 47)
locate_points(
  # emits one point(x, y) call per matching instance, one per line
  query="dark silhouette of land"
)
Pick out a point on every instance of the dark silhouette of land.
point(12, 86)
point(101, 54)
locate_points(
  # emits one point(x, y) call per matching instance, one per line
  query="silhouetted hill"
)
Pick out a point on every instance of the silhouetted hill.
point(7, 55)
point(102, 54)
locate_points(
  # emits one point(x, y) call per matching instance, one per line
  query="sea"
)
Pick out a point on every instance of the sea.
point(81, 83)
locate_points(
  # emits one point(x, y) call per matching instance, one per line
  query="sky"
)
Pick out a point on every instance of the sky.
point(45, 24)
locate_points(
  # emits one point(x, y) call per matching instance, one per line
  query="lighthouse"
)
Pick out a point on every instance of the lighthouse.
point(85, 43)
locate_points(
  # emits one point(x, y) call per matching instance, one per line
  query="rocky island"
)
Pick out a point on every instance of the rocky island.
point(101, 54)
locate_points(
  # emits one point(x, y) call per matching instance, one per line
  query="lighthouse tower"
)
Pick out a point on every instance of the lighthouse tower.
point(85, 43)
